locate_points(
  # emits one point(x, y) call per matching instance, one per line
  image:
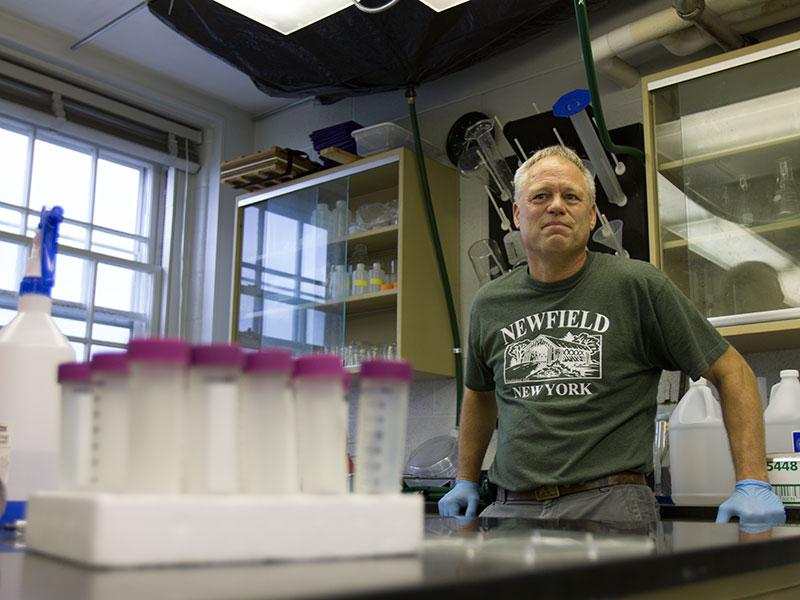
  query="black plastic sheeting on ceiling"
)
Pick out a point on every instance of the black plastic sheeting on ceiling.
point(354, 53)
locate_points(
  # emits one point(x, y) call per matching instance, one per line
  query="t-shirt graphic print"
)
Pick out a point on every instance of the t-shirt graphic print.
point(547, 353)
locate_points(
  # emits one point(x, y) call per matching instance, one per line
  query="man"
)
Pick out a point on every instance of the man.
point(567, 354)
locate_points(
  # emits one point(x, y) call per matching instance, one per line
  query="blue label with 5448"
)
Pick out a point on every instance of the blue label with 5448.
point(796, 438)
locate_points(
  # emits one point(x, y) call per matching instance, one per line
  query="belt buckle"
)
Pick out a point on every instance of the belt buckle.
point(546, 492)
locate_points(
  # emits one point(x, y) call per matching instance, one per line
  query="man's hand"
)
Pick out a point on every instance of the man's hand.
point(755, 504)
point(464, 494)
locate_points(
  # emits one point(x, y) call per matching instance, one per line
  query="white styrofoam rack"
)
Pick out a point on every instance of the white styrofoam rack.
point(111, 530)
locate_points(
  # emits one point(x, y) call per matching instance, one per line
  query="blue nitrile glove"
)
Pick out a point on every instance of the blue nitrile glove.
point(464, 494)
point(756, 505)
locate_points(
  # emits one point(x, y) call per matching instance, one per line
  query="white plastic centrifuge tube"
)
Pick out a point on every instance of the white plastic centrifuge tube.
point(211, 419)
point(321, 423)
point(268, 462)
point(75, 457)
point(158, 374)
point(110, 376)
point(382, 416)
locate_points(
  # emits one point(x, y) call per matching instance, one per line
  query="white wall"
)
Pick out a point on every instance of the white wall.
point(228, 132)
point(507, 85)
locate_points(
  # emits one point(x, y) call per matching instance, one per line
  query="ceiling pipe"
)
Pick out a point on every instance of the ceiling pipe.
point(709, 22)
point(746, 20)
point(648, 29)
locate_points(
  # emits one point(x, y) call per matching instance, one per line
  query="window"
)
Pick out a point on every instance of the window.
point(108, 276)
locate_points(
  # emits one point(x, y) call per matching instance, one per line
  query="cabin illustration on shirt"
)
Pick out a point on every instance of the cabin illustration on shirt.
point(545, 358)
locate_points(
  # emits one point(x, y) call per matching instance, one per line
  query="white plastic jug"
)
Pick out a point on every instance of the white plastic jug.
point(782, 417)
point(701, 467)
point(31, 348)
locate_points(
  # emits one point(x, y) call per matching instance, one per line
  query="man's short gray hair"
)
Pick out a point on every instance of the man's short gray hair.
point(553, 151)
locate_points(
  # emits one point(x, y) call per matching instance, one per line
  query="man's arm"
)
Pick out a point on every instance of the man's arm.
point(742, 413)
point(478, 416)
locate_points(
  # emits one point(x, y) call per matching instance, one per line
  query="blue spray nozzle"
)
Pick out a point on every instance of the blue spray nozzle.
point(40, 272)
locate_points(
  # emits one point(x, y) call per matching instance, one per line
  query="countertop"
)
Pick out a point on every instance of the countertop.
point(481, 558)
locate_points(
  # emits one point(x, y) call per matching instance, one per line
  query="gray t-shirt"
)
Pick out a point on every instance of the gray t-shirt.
point(575, 366)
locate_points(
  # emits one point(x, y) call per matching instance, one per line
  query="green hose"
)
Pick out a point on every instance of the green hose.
point(437, 245)
point(591, 79)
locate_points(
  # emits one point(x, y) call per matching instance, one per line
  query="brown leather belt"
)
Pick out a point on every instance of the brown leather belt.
point(549, 492)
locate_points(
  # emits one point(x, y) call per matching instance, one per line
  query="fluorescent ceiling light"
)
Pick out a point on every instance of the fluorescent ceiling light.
point(440, 5)
point(286, 16)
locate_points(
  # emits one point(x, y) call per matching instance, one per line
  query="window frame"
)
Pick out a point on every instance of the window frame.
point(154, 193)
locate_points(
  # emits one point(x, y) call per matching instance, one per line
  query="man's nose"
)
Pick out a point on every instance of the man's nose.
point(557, 204)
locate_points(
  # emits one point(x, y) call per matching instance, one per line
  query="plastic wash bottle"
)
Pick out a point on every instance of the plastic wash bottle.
point(31, 348)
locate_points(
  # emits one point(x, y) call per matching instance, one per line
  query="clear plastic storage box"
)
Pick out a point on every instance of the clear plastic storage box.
point(387, 136)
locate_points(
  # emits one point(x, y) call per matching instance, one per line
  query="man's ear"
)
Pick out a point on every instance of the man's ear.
point(515, 209)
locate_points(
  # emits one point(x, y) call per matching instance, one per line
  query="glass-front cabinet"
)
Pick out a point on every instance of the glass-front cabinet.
point(723, 147)
point(342, 262)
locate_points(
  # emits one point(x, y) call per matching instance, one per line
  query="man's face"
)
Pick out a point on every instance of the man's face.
point(554, 212)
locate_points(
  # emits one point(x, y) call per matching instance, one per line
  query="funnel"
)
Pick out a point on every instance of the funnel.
point(610, 234)
point(486, 260)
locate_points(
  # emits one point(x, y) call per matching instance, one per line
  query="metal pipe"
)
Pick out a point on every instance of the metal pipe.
point(108, 25)
point(753, 18)
point(696, 12)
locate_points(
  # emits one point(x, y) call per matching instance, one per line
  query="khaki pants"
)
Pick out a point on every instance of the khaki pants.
point(618, 503)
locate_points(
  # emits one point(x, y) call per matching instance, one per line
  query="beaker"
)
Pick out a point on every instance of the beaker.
point(786, 201)
point(482, 133)
point(486, 260)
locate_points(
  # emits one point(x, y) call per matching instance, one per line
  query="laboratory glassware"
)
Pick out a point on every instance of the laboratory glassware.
point(321, 423)
point(360, 280)
point(786, 200)
point(381, 432)
point(486, 260)
point(158, 376)
point(573, 105)
point(31, 348)
point(110, 377)
point(75, 459)
point(482, 134)
point(268, 425)
point(376, 277)
point(211, 419)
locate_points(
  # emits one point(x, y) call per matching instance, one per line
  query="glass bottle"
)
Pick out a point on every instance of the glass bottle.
point(786, 201)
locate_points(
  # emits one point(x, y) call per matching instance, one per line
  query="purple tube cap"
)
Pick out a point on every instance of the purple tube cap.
point(319, 365)
point(270, 360)
point(217, 355)
point(398, 370)
point(110, 362)
point(159, 350)
point(74, 372)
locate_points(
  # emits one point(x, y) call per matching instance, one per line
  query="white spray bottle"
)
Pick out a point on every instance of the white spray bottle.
point(31, 348)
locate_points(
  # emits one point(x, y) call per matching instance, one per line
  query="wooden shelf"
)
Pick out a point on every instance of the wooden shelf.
point(764, 231)
point(728, 152)
point(761, 337)
point(381, 238)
